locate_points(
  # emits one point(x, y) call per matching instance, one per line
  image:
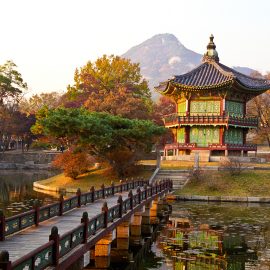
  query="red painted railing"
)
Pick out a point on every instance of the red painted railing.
point(58, 246)
point(211, 146)
point(175, 119)
point(244, 147)
point(19, 222)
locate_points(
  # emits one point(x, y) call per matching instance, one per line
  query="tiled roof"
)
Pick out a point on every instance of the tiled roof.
point(212, 74)
point(207, 74)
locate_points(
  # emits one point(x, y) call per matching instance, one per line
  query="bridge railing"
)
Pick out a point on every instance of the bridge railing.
point(38, 214)
point(58, 246)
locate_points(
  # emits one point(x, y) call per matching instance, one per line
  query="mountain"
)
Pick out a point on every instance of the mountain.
point(164, 56)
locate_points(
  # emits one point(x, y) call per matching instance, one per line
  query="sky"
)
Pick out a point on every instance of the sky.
point(48, 39)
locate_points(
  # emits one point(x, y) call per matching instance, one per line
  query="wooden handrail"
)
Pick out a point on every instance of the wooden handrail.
point(54, 238)
point(16, 220)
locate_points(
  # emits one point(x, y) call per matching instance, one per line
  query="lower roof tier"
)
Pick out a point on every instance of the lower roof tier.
point(175, 120)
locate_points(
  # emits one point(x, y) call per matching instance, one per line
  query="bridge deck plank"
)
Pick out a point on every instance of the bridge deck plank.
point(31, 238)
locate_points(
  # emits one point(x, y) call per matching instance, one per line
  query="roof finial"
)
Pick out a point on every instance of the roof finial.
point(211, 54)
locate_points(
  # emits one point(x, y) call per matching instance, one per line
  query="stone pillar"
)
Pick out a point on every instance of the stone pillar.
point(103, 250)
point(121, 253)
point(136, 229)
point(226, 153)
point(147, 228)
point(154, 211)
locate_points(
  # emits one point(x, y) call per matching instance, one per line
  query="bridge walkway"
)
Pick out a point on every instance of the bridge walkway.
point(25, 241)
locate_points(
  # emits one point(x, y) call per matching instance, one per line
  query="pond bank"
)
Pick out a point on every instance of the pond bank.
point(173, 197)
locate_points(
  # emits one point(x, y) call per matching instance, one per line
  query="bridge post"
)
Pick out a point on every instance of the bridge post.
point(136, 228)
point(121, 186)
point(130, 195)
point(55, 249)
point(145, 191)
point(147, 228)
point(61, 205)
point(139, 194)
point(120, 253)
point(2, 226)
point(105, 212)
point(103, 191)
point(5, 263)
point(79, 193)
point(112, 186)
point(120, 203)
point(36, 208)
point(103, 250)
point(85, 221)
point(92, 189)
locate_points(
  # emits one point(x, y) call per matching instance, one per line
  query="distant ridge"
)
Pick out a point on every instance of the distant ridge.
point(164, 56)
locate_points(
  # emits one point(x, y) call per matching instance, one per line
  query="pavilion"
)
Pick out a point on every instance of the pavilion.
point(211, 109)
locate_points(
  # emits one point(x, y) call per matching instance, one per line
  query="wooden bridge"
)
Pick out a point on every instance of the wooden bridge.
point(58, 235)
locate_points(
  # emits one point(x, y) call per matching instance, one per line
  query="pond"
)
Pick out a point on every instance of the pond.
point(16, 191)
point(213, 236)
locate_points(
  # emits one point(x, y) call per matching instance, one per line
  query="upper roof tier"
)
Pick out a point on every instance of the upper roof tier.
point(211, 75)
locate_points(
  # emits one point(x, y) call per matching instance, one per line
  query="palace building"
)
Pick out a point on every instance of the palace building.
point(211, 109)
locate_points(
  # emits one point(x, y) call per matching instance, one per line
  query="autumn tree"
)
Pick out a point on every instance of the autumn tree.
point(36, 102)
point(12, 87)
point(260, 107)
point(11, 83)
point(115, 139)
point(114, 85)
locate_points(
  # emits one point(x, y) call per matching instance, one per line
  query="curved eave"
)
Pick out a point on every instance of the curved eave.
point(174, 87)
point(252, 90)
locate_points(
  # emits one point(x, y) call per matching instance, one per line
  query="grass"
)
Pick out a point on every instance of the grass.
point(94, 178)
point(248, 183)
point(182, 165)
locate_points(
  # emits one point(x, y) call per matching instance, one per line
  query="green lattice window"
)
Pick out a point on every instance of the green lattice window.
point(234, 108)
point(181, 135)
point(206, 107)
point(204, 135)
point(181, 108)
point(234, 136)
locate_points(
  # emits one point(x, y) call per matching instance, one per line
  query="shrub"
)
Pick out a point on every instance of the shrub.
point(73, 164)
point(233, 166)
point(196, 175)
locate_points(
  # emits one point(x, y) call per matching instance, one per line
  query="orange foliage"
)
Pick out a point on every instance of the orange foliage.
point(73, 164)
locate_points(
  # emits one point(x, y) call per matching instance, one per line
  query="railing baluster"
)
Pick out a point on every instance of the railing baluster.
point(2, 226)
point(112, 187)
point(92, 190)
point(130, 196)
point(120, 203)
point(55, 249)
point(5, 263)
point(36, 214)
point(105, 212)
point(61, 205)
point(79, 195)
point(85, 221)
point(139, 194)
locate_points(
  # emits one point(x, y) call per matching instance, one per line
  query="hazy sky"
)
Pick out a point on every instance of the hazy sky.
point(49, 39)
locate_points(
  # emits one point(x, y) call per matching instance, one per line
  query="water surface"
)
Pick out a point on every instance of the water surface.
point(215, 236)
point(16, 190)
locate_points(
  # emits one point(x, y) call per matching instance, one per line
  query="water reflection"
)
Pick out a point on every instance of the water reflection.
point(16, 191)
point(218, 237)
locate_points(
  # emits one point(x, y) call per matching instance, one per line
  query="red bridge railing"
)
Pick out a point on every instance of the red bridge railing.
point(27, 219)
point(58, 246)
